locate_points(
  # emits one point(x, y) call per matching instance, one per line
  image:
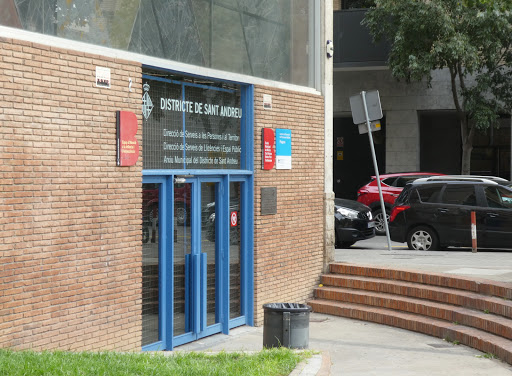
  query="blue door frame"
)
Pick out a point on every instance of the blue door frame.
point(196, 262)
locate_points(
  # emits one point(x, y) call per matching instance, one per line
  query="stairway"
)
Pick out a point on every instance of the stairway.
point(473, 312)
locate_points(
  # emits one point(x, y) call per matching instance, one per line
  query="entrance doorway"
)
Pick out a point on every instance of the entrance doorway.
point(197, 208)
point(193, 239)
point(352, 158)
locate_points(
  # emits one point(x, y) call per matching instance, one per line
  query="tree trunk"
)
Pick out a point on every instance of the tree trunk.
point(467, 133)
point(467, 148)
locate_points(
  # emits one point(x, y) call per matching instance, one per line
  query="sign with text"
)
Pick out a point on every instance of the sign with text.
point(268, 153)
point(189, 126)
point(374, 126)
point(103, 77)
point(283, 149)
point(127, 144)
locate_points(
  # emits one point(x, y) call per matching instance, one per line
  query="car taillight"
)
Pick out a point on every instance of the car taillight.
point(396, 210)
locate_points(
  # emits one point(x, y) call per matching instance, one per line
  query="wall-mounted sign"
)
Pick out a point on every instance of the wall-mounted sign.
point(268, 153)
point(103, 77)
point(127, 144)
point(283, 149)
point(268, 201)
point(339, 155)
point(191, 126)
point(374, 126)
point(267, 101)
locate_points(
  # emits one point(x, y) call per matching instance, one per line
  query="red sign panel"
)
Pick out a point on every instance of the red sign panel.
point(269, 155)
point(127, 144)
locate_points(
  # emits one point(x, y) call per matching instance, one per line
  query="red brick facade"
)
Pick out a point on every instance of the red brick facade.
point(70, 248)
point(70, 219)
point(288, 246)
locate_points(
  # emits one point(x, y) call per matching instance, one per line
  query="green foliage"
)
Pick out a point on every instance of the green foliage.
point(276, 362)
point(488, 356)
point(472, 39)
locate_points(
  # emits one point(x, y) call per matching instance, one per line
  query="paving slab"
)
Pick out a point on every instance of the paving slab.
point(357, 348)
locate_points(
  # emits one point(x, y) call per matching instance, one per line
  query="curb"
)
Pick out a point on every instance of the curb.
point(317, 365)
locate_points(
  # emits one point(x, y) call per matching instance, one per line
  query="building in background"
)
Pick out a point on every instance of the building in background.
point(136, 212)
point(419, 130)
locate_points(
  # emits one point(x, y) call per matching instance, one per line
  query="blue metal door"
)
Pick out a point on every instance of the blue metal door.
point(196, 256)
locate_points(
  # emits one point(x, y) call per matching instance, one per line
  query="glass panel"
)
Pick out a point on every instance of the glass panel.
point(272, 39)
point(150, 264)
point(182, 248)
point(209, 246)
point(499, 197)
point(235, 301)
point(459, 195)
point(190, 127)
point(229, 42)
point(429, 194)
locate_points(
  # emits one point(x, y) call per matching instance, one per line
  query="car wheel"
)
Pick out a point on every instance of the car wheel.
point(423, 238)
point(380, 228)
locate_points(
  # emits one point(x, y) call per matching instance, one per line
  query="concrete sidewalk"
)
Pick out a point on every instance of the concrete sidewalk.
point(488, 264)
point(356, 348)
point(350, 347)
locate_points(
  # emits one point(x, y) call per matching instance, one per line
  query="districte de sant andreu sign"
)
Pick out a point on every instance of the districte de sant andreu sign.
point(187, 126)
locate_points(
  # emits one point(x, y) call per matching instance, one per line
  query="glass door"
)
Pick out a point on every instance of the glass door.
point(194, 281)
point(196, 267)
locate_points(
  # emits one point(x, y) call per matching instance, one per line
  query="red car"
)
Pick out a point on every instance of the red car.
point(392, 185)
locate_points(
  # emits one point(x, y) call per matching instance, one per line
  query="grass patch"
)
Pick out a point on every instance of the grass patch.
point(271, 362)
point(487, 356)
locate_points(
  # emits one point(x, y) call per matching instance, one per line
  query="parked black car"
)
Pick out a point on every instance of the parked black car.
point(433, 214)
point(353, 222)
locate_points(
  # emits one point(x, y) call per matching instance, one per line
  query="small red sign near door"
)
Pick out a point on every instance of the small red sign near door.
point(127, 144)
point(234, 219)
point(269, 154)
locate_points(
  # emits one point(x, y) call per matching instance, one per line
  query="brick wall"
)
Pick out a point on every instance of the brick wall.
point(70, 222)
point(288, 246)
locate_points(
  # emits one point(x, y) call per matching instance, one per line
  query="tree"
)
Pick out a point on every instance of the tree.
point(472, 39)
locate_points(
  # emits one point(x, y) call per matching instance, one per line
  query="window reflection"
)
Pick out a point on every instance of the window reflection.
point(150, 264)
point(235, 280)
point(263, 38)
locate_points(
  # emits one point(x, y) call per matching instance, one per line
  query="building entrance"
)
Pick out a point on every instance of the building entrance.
point(197, 208)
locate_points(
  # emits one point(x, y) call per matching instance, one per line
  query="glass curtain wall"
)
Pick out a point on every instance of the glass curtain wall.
point(271, 39)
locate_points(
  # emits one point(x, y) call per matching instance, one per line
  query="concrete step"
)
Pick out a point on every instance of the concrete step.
point(455, 333)
point(481, 320)
point(458, 297)
point(480, 286)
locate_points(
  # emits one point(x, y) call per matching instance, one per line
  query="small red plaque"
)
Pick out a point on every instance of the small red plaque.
point(127, 144)
point(269, 155)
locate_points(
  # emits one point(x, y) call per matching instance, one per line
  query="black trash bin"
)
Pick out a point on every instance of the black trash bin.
point(286, 324)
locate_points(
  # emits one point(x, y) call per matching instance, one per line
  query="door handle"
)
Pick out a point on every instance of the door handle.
point(492, 215)
point(443, 210)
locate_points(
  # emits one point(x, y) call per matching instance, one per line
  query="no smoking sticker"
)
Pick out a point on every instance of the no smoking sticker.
point(234, 219)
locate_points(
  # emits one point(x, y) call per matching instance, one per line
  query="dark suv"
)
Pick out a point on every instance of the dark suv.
point(433, 213)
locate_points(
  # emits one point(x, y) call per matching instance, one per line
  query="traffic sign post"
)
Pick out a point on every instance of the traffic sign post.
point(366, 108)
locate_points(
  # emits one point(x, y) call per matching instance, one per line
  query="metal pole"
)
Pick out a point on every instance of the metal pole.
point(372, 148)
